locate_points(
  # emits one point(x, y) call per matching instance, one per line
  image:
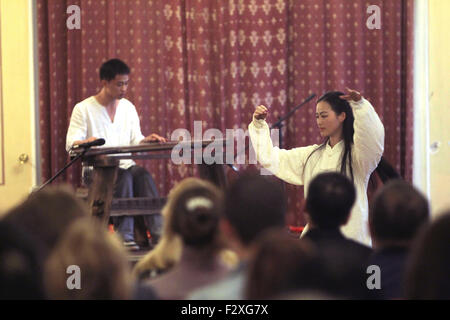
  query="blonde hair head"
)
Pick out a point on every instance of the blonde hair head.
point(102, 261)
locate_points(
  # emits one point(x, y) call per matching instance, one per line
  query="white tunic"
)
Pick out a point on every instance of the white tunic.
point(91, 119)
point(289, 165)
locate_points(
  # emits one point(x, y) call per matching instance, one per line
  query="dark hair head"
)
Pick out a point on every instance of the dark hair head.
point(427, 274)
point(397, 212)
point(45, 215)
point(111, 68)
point(20, 265)
point(196, 212)
point(281, 264)
point(330, 199)
point(254, 203)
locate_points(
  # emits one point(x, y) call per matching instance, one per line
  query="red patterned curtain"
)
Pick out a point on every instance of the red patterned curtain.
point(214, 61)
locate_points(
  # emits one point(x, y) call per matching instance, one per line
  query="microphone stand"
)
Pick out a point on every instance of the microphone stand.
point(63, 169)
point(279, 125)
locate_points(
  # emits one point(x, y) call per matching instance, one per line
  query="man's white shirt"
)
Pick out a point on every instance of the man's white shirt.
point(90, 119)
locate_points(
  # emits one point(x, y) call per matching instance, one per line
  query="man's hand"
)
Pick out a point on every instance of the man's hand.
point(153, 138)
point(352, 95)
point(260, 112)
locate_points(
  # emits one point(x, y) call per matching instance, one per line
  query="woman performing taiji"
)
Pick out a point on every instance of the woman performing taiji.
point(354, 144)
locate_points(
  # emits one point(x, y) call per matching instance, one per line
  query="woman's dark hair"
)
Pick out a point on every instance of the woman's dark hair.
point(384, 169)
point(340, 105)
point(196, 215)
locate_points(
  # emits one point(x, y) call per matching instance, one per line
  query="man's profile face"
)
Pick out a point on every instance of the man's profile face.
point(117, 87)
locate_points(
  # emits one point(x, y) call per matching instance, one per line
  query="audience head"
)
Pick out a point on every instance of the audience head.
point(397, 212)
point(191, 217)
point(429, 264)
point(103, 267)
point(111, 68)
point(20, 266)
point(281, 265)
point(253, 204)
point(46, 214)
point(195, 206)
point(329, 201)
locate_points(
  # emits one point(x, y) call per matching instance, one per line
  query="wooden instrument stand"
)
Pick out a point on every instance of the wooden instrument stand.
point(105, 163)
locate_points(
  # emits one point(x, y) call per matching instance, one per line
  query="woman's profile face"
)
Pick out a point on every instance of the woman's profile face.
point(328, 122)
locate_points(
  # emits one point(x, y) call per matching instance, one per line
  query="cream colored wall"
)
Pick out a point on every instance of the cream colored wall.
point(439, 76)
point(18, 101)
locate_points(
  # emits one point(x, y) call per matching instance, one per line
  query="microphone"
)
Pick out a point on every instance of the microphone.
point(98, 142)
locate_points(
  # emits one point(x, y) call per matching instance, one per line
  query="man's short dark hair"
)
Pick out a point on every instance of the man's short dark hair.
point(397, 212)
point(111, 68)
point(253, 204)
point(330, 199)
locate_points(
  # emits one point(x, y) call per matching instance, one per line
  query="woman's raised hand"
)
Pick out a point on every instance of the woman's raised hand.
point(352, 95)
point(260, 112)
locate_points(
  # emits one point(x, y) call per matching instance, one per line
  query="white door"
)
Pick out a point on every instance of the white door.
point(17, 103)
